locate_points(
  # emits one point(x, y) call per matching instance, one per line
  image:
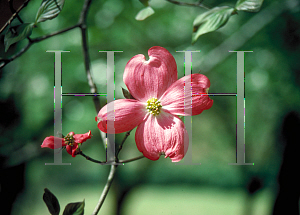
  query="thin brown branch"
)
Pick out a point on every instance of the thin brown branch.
point(4, 62)
point(14, 15)
point(85, 50)
point(38, 39)
point(93, 89)
point(132, 159)
point(90, 159)
point(84, 12)
point(105, 163)
point(109, 182)
point(13, 11)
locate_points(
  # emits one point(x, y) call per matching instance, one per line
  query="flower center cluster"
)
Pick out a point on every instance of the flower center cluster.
point(69, 140)
point(153, 106)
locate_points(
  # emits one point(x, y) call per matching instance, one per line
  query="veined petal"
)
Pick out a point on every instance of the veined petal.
point(80, 138)
point(128, 113)
point(49, 142)
point(162, 134)
point(147, 79)
point(173, 99)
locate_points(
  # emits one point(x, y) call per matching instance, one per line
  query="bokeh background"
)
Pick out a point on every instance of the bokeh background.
point(272, 101)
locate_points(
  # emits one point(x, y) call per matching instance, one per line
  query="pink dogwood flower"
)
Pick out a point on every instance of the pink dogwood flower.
point(158, 99)
point(71, 142)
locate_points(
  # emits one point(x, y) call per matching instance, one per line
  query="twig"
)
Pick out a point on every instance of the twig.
point(22, 51)
point(132, 159)
point(13, 11)
point(38, 39)
point(108, 184)
point(31, 42)
point(199, 4)
point(83, 27)
point(89, 158)
point(84, 11)
point(104, 162)
point(13, 15)
point(93, 89)
point(86, 56)
point(106, 189)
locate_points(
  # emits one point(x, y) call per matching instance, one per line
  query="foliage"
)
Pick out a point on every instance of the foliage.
point(48, 10)
point(76, 208)
point(268, 68)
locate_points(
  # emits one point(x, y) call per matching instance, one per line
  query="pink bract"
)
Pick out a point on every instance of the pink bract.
point(71, 146)
point(159, 97)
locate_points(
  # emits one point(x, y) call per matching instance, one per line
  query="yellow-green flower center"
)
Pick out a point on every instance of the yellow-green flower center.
point(153, 106)
point(69, 140)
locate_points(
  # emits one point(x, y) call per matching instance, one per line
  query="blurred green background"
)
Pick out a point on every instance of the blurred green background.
point(146, 187)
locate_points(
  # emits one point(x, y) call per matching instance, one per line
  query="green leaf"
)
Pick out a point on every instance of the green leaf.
point(144, 13)
point(145, 2)
point(51, 202)
point(76, 208)
point(210, 21)
point(17, 33)
point(49, 9)
point(249, 5)
point(127, 94)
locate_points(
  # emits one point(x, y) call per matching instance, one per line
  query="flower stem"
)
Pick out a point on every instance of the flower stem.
point(85, 49)
point(106, 189)
point(90, 159)
point(109, 182)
